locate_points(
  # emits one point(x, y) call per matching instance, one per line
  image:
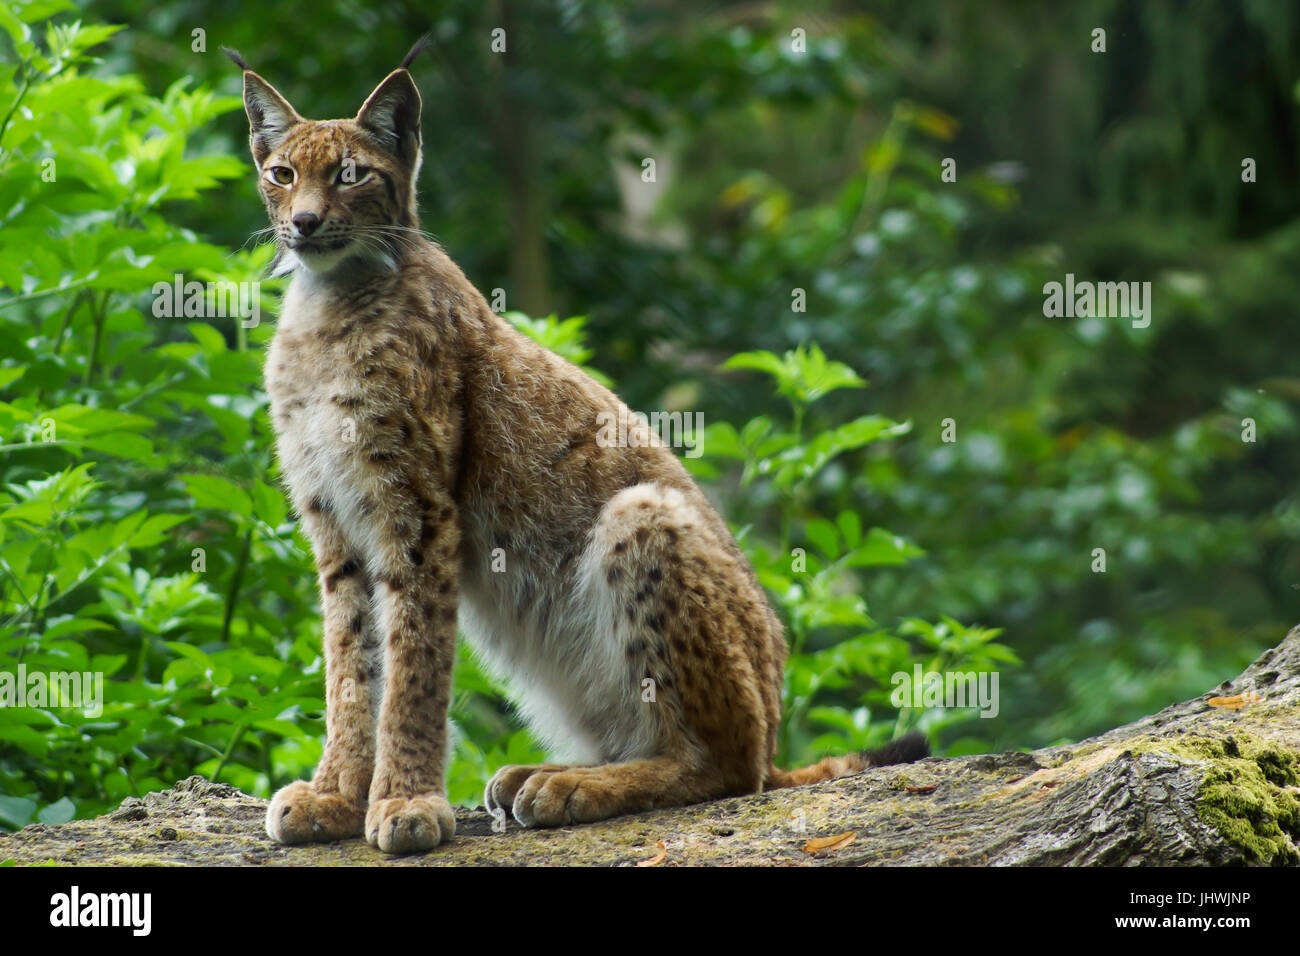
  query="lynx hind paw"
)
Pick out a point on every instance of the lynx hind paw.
point(410, 824)
point(556, 796)
point(298, 814)
point(499, 795)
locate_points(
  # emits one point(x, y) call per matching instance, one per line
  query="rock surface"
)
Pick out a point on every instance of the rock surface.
point(1211, 781)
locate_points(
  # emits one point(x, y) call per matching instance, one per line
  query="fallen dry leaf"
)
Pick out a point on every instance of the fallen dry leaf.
point(657, 858)
point(1236, 702)
point(818, 844)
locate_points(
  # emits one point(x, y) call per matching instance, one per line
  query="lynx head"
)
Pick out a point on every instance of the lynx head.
point(338, 189)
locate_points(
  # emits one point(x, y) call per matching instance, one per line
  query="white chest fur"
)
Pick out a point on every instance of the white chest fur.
point(316, 436)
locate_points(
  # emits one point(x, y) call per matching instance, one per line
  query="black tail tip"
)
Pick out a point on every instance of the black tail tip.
point(906, 749)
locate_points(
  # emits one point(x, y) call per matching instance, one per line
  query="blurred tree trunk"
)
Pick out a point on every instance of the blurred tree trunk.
point(516, 149)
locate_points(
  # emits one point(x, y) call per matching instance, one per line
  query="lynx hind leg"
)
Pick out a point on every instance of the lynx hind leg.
point(676, 695)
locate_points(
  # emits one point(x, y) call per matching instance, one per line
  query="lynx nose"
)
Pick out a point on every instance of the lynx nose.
point(306, 223)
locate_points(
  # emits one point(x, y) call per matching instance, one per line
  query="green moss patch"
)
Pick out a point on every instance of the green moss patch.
point(1249, 794)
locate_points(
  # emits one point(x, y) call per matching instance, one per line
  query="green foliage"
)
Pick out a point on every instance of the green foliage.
point(114, 559)
point(841, 661)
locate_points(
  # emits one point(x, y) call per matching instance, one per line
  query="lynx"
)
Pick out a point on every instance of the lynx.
point(447, 472)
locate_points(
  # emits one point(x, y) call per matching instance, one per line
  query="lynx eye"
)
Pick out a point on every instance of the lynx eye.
point(280, 175)
point(352, 175)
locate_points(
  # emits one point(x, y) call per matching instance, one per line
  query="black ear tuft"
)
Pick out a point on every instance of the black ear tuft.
point(235, 57)
point(415, 51)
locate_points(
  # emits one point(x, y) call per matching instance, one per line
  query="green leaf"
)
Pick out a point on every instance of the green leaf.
point(154, 530)
point(883, 548)
point(11, 374)
point(123, 445)
point(803, 375)
point(16, 812)
point(823, 534)
point(209, 491)
point(212, 341)
point(190, 652)
point(76, 625)
point(762, 361)
point(269, 504)
point(25, 739)
point(18, 31)
point(60, 811)
point(850, 526)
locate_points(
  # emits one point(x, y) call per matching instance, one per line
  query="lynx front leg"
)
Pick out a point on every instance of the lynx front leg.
point(409, 811)
point(333, 805)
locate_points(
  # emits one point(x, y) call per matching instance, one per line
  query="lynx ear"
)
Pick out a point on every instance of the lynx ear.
point(392, 115)
point(270, 117)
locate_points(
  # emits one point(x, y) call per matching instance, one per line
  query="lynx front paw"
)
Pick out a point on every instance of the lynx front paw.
point(410, 824)
point(298, 814)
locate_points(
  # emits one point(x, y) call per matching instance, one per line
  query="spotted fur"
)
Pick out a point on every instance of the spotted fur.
point(447, 468)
